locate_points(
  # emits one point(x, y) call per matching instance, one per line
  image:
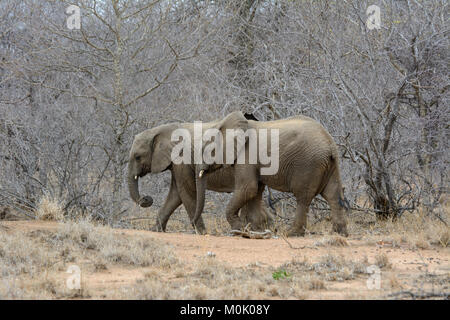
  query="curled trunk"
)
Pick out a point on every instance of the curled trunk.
point(133, 186)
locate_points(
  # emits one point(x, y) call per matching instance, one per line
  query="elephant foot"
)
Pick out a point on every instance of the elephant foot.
point(236, 225)
point(259, 226)
point(296, 232)
point(340, 228)
point(200, 230)
point(157, 228)
point(199, 227)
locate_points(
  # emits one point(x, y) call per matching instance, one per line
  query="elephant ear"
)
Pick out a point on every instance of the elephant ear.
point(162, 148)
point(235, 122)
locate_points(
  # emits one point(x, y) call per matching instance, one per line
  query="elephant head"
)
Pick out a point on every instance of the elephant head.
point(152, 150)
point(150, 153)
point(235, 120)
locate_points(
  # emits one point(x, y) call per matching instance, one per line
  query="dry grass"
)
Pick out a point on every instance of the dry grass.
point(316, 284)
point(382, 261)
point(336, 241)
point(205, 282)
point(211, 279)
point(24, 266)
point(331, 267)
point(394, 282)
point(216, 224)
point(416, 230)
point(208, 279)
point(49, 208)
point(32, 264)
point(26, 260)
point(19, 255)
point(444, 238)
point(108, 246)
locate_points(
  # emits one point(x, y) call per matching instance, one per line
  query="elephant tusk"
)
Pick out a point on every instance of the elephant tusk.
point(201, 173)
point(135, 177)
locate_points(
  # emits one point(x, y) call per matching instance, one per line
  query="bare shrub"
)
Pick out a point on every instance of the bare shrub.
point(316, 284)
point(49, 209)
point(417, 230)
point(444, 238)
point(382, 261)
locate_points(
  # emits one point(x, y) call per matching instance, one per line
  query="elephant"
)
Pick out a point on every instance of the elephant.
point(308, 163)
point(151, 153)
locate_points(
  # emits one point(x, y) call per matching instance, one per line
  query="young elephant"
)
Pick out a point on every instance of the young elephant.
point(151, 153)
point(308, 165)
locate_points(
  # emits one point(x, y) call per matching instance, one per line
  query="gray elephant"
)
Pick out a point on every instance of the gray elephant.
point(151, 152)
point(308, 165)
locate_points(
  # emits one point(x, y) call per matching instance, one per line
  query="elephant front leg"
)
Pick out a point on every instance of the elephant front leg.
point(241, 196)
point(172, 202)
point(254, 212)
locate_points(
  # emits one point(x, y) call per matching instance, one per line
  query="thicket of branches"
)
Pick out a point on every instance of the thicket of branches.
point(72, 100)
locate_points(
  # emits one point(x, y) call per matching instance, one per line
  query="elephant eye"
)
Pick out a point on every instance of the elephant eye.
point(137, 158)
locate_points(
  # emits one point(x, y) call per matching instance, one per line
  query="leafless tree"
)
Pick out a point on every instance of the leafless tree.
point(72, 100)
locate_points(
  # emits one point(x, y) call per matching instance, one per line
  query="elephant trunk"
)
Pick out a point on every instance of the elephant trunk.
point(200, 185)
point(133, 186)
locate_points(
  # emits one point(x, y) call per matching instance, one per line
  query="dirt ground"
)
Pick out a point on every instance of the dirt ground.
point(311, 267)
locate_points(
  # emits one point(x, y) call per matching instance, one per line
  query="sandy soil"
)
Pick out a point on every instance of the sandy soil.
point(410, 267)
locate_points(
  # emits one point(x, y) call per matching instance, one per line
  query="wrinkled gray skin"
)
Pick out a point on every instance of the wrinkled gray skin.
point(308, 166)
point(151, 153)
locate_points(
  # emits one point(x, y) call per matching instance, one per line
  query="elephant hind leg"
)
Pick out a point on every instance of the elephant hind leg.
point(299, 227)
point(334, 196)
point(199, 227)
point(188, 199)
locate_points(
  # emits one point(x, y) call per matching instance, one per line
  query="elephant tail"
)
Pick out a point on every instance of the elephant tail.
point(332, 167)
point(342, 200)
point(333, 173)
